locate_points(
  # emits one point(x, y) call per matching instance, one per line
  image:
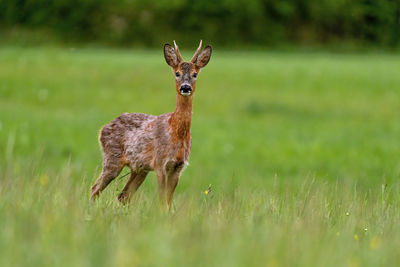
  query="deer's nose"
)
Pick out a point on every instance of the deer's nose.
point(186, 89)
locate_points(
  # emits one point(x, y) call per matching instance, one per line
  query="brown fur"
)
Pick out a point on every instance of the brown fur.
point(152, 143)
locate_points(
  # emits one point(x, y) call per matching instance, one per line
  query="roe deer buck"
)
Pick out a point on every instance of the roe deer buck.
point(145, 142)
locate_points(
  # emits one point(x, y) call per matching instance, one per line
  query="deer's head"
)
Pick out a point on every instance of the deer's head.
point(186, 73)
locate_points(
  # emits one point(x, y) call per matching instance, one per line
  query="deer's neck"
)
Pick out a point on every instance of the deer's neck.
point(181, 119)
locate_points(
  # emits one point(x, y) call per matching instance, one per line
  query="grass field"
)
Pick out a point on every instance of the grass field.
point(302, 151)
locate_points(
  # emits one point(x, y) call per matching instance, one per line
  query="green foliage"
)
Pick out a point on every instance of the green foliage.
point(226, 23)
point(301, 151)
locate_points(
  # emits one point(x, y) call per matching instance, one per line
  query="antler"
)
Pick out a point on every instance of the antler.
point(178, 54)
point(196, 54)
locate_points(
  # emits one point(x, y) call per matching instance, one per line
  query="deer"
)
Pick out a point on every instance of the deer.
point(146, 142)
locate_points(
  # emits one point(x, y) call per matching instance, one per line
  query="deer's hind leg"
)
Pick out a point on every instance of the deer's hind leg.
point(112, 167)
point(134, 182)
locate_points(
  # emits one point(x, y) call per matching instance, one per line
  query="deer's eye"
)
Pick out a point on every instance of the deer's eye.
point(195, 74)
point(177, 74)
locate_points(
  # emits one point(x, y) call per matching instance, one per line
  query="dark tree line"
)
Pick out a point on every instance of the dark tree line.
point(225, 22)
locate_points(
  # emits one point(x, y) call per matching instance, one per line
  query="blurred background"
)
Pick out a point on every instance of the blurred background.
point(336, 24)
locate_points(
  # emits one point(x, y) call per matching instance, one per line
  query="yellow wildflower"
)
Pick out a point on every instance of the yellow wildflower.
point(208, 191)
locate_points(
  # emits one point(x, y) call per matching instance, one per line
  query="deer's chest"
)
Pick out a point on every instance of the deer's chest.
point(180, 151)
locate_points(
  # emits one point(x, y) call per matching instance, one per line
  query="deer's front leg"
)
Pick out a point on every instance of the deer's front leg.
point(161, 181)
point(168, 180)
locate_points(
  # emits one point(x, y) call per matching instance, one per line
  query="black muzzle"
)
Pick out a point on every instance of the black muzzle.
point(186, 90)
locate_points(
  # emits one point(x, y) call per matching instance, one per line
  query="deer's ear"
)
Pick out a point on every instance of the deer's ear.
point(204, 57)
point(170, 56)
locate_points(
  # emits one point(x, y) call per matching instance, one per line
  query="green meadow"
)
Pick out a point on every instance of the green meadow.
point(302, 151)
